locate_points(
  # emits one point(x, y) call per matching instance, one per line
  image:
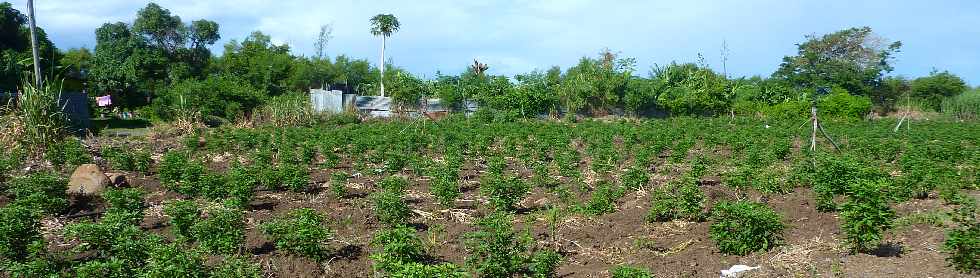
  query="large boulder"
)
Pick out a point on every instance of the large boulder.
point(88, 180)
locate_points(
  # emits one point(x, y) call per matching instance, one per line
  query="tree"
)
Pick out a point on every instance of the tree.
point(15, 48)
point(256, 59)
point(132, 62)
point(384, 25)
point(854, 59)
point(76, 63)
point(938, 85)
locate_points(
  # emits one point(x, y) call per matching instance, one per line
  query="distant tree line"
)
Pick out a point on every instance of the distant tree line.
point(160, 64)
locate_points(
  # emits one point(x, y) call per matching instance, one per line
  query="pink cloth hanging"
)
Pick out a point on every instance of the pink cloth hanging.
point(104, 101)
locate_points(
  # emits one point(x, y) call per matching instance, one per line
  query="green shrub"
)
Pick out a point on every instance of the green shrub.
point(68, 153)
point(834, 175)
point(240, 186)
point(128, 201)
point(236, 267)
point(415, 269)
point(170, 260)
point(112, 267)
point(504, 192)
point(445, 185)
point(963, 242)
point(295, 177)
point(495, 249)
point(685, 201)
point(630, 272)
point(338, 183)
point(41, 191)
point(132, 160)
point(965, 106)
point(544, 264)
point(302, 232)
point(222, 231)
point(743, 227)
point(390, 208)
point(19, 229)
point(396, 246)
point(865, 216)
point(9, 161)
point(842, 105)
point(634, 178)
point(115, 239)
point(603, 199)
point(183, 214)
point(172, 167)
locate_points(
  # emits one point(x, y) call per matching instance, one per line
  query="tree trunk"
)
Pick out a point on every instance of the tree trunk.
point(34, 47)
point(382, 82)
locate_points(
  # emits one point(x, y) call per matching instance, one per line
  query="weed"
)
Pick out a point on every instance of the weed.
point(963, 242)
point(41, 191)
point(222, 231)
point(445, 185)
point(685, 201)
point(390, 208)
point(19, 229)
point(396, 246)
point(170, 260)
point(544, 263)
point(865, 216)
point(338, 183)
point(630, 272)
point(495, 249)
point(634, 178)
point(302, 232)
point(604, 199)
point(236, 267)
point(183, 214)
point(504, 192)
point(743, 227)
point(68, 154)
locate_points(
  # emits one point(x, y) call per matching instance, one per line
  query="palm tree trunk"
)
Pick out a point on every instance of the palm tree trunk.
point(382, 66)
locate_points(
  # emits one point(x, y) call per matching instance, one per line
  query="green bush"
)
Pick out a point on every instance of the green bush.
point(743, 227)
point(834, 175)
point(41, 191)
point(495, 249)
point(634, 178)
point(445, 185)
point(172, 167)
point(295, 177)
point(390, 208)
point(504, 192)
point(630, 272)
point(240, 186)
point(685, 201)
point(128, 201)
point(68, 153)
point(396, 246)
point(788, 110)
point(133, 160)
point(170, 260)
point(393, 184)
point(236, 267)
point(222, 231)
point(224, 96)
point(19, 229)
point(604, 199)
point(841, 105)
point(866, 215)
point(544, 264)
point(415, 269)
point(302, 232)
point(963, 242)
point(115, 240)
point(183, 214)
point(964, 107)
point(338, 183)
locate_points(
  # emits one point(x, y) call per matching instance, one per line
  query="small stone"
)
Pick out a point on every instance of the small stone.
point(88, 179)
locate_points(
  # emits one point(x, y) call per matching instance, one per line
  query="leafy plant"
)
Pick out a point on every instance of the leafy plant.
point(68, 153)
point(604, 199)
point(445, 185)
point(390, 207)
point(221, 231)
point(684, 201)
point(396, 246)
point(236, 267)
point(963, 242)
point(544, 264)
point(302, 232)
point(630, 272)
point(743, 227)
point(19, 229)
point(183, 214)
point(133, 160)
point(338, 183)
point(128, 201)
point(865, 216)
point(41, 191)
point(634, 178)
point(495, 249)
point(170, 260)
point(504, 192)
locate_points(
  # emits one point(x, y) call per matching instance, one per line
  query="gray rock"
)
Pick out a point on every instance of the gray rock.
point(88, 179)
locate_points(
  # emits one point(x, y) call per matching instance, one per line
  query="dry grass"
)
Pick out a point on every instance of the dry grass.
point(798, 259)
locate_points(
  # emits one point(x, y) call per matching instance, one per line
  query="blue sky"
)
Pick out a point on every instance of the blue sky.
point(519, 36)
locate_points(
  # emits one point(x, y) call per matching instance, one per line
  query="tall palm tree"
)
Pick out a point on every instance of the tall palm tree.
point(384, 25)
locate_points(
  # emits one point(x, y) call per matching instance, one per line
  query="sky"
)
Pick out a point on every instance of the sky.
point(514, 36)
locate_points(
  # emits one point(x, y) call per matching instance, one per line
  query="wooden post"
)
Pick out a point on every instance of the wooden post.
point(34, 47)
point(813, 134)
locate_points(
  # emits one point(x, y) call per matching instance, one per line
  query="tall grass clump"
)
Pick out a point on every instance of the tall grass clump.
point(286, 110)
point(37, 115)
point(965, 106)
